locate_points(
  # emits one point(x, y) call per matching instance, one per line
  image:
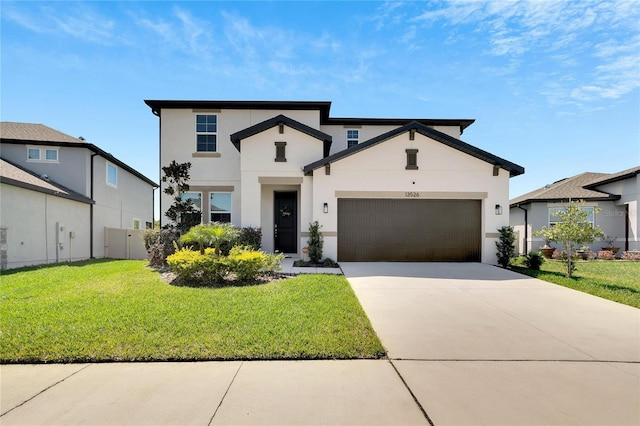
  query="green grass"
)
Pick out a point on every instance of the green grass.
point(614, 280)
point(122, 310)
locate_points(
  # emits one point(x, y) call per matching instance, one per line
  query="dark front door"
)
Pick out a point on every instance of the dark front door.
point(285, 222)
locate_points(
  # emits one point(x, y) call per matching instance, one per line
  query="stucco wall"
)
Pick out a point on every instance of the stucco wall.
point(31, 220)
point(628, 190)
point(177, 135)
point(443, 173)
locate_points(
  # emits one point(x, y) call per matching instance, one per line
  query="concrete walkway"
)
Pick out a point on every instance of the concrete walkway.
point(467, 344)
point(477, 344)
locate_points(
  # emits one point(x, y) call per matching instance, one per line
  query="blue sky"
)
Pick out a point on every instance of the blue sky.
point(553, 86)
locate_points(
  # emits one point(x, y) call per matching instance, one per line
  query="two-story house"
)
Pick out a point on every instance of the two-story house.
point(383, 189)
point(59, 193)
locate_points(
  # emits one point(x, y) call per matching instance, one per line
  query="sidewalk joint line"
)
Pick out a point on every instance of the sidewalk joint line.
point(233, 379)
point(415, 399)
point(514, 360)
point(46, 389)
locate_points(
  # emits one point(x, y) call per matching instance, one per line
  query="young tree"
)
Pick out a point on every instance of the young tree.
point(211, 235)
point(572, 230)
point(182, 212)
point(315, 242)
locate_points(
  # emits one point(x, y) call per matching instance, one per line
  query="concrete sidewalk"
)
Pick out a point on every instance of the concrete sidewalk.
point(208, 393)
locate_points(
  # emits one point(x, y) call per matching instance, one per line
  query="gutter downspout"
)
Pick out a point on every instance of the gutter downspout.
point(526, 229)
point(91, 211)
point(626, 227)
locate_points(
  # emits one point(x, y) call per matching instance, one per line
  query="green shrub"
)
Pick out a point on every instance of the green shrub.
point(248, 264)
point(315, 242)
point(251, 237)
point(534, 260)
point(505, 246)
point(330, 263)
point(195, 268)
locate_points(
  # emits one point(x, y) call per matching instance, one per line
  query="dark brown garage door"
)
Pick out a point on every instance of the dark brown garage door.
point(399, 230)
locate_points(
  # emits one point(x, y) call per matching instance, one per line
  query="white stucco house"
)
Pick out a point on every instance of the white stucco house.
point(610, 198)
point(383, 189)
point(59, 194)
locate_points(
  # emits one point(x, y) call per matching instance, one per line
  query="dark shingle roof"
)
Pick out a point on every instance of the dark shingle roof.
point(12, 174)
point(281, 119)
point(575, 188)
point(513, 168)
point(625, 174)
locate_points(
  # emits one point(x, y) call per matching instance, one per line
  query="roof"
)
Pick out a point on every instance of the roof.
point(281, 119)
point(615, 177)
point(573, 188)
point(514, 169)
point(12, 174)
point(34, 132)
point(322, 106)
point(39, 134)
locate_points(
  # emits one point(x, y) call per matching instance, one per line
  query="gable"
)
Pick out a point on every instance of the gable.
point(418, 128)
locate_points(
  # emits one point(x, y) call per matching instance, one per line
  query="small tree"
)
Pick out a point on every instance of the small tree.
point(211, 235)
point(505, 246)
point(572, 230)
point(182, 212)
point(315, 242)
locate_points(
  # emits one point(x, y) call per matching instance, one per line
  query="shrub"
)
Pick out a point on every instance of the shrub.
point(606, 255)
point(246, 263)
point(631, 255)
point(505, 246)
point(330, 263)
point(315, 242)
point(159, 244)
point(195, 268)
point(251, 237)
point(534, 260)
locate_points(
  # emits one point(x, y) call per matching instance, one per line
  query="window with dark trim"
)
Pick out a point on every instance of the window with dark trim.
point(412, 159)
point(206, 133)
point(353, 137)
point(281, 154)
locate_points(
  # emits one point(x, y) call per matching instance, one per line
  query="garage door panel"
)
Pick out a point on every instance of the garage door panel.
point(409, 230)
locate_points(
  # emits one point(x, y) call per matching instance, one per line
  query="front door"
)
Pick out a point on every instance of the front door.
point(285, 222)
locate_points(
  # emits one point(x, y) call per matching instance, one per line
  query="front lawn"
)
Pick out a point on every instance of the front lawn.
point(117, 310)
point(610, 279)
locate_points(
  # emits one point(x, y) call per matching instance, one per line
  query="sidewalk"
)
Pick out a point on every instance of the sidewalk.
point(208, 393)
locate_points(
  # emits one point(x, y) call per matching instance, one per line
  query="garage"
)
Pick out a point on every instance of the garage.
point(409, 230)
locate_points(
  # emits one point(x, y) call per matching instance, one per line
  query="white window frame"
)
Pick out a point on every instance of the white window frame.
point(352, 139)
point(108, 182)
point(42, 154)
point(229, 212)
point(206, 132)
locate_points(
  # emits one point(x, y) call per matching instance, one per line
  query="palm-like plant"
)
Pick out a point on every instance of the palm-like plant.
point(210, 235)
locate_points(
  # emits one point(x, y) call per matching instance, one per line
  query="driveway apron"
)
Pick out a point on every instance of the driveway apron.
point(477, 344)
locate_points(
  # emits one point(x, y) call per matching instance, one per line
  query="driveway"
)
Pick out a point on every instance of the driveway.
point(477, 344)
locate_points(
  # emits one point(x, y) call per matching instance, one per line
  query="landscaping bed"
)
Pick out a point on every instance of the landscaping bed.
point(121, 310)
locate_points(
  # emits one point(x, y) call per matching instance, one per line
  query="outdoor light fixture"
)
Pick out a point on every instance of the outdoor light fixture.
point(325, 207)
point(498, 209)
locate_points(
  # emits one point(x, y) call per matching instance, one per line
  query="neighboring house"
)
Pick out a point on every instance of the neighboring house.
point(615, 195)
point(382, 189)
point(99, 190)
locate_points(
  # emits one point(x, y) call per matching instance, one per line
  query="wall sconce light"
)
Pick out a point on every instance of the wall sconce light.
point(325, 207)
point(498, 209)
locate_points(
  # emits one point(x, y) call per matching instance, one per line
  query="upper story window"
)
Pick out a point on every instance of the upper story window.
point(281, 153)
point(554, 217)
point(112, 175)
point(412, 159)
point(220, 206)
point(42, 154)
point(206, 133)
point(353, 137)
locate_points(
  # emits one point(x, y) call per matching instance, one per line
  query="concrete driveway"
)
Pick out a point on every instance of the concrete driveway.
point(477, 344)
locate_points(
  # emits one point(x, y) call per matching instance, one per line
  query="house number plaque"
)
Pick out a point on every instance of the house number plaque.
point(412, 194)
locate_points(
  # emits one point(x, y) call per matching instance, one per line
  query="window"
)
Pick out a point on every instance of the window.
point(195, 218)
point(281, 152)
point(112, 175)
point(136, 223)
point(412, 159)
point(554, 218)
point(352, 137)
point(51, 154)
point(206, 133)
point(36, 154)
point(220, 204)
point(33, 153)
